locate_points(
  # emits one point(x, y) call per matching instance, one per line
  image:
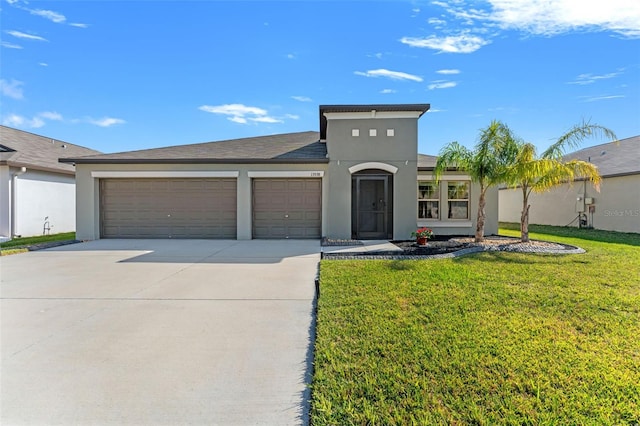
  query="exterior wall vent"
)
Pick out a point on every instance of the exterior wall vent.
point(355, 132)
point(391, 132)
point(373, 132)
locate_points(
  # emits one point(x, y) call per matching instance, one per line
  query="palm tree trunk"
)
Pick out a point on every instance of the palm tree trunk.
point(524, 217)
point(481, 217)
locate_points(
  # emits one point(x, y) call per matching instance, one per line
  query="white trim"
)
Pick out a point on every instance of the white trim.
point(371, 115)
point(164, 174)
point(444, 177)
point(373, 165)
point(287, 174)
point(445, 224)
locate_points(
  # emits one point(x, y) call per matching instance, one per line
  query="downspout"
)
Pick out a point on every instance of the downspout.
point(14, 199)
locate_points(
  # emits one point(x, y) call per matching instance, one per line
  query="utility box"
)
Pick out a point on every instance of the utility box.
point(580, 204)
point(589, 200)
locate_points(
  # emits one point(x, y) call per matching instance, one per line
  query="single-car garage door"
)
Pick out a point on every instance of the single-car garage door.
point(287, 208)
point(168, 208)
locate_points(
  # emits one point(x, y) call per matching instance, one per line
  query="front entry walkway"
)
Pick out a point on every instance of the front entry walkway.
point(142, 332)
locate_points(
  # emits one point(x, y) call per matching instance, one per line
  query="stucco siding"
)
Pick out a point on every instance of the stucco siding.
point(617, 205)
point(5, 201)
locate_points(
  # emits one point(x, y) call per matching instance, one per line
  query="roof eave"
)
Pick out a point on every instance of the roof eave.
point(194, 160)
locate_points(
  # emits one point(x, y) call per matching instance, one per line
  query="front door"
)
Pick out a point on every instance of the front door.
point(371, 207)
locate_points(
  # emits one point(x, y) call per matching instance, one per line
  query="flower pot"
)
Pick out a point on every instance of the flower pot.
point(422, 241)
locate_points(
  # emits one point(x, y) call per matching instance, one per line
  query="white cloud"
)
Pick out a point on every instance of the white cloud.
point(51, 115)
point(394, 75)
point(302, 98)
point(56, 17)
point(437, 22)
point(11, 89)
point(14, 120)
point(554, 17)
point(11, 45)
point(79, 25)
point(290, 56)
point(603, 98)
point(462, 43)
point(239, 113)
point(387, 91)
point(19, 34)
point(441, 84)
point(43, 64)
point(448, 72)
point(292, 116)
point(106, 121)
point(584, 79)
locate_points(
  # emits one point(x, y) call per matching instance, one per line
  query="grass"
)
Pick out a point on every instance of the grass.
point(493, 338)
point(21, 245)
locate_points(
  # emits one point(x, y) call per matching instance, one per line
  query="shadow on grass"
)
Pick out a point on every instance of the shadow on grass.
point(521, 258)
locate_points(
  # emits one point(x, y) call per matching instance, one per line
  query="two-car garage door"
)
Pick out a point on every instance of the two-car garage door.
point(206, 208)
point(168, 208)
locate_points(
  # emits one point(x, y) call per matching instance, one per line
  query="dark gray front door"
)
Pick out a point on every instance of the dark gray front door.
point(372, 207)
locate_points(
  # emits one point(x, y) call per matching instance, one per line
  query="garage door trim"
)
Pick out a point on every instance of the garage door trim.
point(164, 174)
point(290, 174)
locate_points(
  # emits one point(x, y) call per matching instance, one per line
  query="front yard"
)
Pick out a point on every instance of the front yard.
point(493, 338)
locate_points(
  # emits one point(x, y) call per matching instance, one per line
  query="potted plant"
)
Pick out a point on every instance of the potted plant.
point(422, 235)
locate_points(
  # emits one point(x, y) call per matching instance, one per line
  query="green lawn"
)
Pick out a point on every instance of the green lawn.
point(493, 338)
point(20, 245)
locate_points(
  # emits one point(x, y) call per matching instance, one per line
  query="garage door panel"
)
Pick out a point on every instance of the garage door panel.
point(287, 208)
point(168, 208)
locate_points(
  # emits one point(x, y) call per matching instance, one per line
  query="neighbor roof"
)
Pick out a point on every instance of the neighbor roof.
point(23, 149)
point(617, 158)
point(302, 147)
point(426, 162)
point(421, 108)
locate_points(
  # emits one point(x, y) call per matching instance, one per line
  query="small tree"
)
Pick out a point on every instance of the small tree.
point(540, 174)
point(486, 164)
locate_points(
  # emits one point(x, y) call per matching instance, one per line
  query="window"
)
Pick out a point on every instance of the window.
point(428, 200)
point(458, 200)
point(391, 133)
point(373, 132)
point(355, 132)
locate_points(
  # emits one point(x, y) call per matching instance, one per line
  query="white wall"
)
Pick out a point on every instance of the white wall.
point(617, 205)
point(40, 195)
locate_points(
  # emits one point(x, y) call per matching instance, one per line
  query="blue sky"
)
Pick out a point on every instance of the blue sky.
point(125, 75)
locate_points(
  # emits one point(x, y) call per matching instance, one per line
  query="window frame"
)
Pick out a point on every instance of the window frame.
point(436, 193)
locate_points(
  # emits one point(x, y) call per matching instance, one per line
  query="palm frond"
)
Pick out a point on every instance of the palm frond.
point(572, 138)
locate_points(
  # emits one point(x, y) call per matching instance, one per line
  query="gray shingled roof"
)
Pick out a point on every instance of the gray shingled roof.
point(614, 158)
point(426, 162)
point(303, 147)
point(23, 149)
point(422, 108)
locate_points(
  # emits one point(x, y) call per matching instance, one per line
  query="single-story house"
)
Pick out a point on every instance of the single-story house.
point(359, 177)
point(37, 192)
point(615, 208)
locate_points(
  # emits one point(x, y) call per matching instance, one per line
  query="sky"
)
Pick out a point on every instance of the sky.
point(127, 75)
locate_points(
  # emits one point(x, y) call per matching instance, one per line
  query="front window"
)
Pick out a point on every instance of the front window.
point(428, 200)
point(458, 200)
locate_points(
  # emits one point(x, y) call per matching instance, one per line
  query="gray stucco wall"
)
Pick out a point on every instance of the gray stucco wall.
point(617, 205)
point(346, 151)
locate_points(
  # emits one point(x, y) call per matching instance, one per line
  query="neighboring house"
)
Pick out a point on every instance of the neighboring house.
point(615, 208)
point(359, 177)
point(37, 192)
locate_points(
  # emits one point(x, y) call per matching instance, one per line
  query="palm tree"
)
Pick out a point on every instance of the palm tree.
point(540, 174)
point(485, 164)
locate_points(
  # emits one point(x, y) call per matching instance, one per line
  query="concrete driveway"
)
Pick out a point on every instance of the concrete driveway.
point(158, 332)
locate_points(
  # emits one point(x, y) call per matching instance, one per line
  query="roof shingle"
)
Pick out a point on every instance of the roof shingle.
point(24, 149)
point(302, 147)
